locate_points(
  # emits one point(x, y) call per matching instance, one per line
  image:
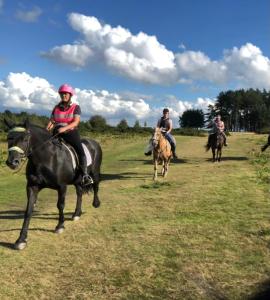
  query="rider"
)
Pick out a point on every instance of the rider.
point(165, 123)
point(65, 119)
point(218, 126)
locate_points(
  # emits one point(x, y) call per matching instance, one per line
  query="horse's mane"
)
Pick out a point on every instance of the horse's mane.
point(38, 129)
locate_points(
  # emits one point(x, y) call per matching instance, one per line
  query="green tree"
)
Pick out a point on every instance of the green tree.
point(137, 125)
point(98, 123)
point(192, 118)
point(122, 125)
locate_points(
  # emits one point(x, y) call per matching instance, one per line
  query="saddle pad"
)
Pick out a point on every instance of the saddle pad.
point(87, 154)
point(74, 157)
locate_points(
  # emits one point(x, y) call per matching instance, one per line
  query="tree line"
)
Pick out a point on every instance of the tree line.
point(241, 110)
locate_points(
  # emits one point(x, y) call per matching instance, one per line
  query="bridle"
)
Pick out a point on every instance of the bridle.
point(24, 153)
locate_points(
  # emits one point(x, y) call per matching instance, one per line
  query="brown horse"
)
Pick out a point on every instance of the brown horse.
point(162, 152)
point(216, 143)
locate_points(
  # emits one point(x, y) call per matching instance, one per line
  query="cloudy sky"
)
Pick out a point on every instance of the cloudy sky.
point(130, 58)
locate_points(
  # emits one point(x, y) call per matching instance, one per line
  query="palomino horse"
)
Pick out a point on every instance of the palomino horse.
point(216, 143)
point(161, 152)
point(49, 166)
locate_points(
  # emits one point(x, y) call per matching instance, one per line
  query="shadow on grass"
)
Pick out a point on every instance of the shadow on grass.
point(230, 158)
point(150, 161)
point(263, 292)
point(11, 214)
point(7, 245)
point(19, 214)
point(121, 176)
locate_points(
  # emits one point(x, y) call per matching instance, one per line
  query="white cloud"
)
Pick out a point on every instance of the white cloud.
point(29, 16)
point(76, 55)
point(143, 58)
point(22, 91)
point(248, 66)
point(198, 66)
point(140, 57)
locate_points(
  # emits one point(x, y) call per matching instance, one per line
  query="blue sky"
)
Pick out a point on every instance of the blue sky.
point(129, 59)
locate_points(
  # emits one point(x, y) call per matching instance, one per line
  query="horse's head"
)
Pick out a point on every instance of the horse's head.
point(18, 139)
point(156, 137)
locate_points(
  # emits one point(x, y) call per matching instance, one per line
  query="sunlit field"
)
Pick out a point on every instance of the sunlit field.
point(201, 233)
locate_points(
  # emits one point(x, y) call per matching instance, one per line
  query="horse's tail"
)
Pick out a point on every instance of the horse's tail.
point(207, 147)
point(263, 148)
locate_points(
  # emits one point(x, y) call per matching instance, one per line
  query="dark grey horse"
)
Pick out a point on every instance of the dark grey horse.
point(49, 166)
point(216, 143)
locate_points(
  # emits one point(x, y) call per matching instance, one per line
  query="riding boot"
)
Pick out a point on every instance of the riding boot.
point(225, 140)
point(86, 178)
point(173, 151)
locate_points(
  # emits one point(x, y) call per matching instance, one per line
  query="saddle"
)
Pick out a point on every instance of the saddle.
point(62, 144)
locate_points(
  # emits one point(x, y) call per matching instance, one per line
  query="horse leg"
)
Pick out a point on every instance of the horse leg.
point(32, 192)
point(214, 154)
point(163, 168)
point(166, 166)
point(219, 154)
point(155, 169)
point(96, 202)
point(78, 210)
point(61, 205)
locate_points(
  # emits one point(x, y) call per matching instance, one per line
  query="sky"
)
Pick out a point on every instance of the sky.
point(128, 59)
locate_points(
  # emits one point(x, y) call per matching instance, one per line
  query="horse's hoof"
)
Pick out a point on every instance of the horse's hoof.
point(76, 218)
point(96, 204)
point(20, 246)
point(59, 230)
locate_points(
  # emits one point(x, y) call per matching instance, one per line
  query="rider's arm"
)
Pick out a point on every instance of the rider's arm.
point(221, 127)
point(50, 125)
point(170, 128)
point(70, 126)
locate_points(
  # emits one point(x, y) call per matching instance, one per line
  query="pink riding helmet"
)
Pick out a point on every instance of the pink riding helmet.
point(65, 88)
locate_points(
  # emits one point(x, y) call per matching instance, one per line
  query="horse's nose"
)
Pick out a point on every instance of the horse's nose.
point(16, 162)
point(13, 164)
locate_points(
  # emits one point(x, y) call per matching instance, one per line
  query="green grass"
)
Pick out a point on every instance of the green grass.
point(201, 233)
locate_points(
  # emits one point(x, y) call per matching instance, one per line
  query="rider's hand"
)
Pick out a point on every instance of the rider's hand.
point(61, 130)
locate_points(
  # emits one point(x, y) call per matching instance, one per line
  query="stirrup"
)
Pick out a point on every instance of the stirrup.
point(87, 180)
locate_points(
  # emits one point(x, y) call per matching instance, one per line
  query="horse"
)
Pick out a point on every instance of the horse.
point(264, 147)
point(216, 143)
point(49, 165)
point(161, 152)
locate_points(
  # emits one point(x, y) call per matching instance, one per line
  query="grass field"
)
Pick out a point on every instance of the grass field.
point(202, 233)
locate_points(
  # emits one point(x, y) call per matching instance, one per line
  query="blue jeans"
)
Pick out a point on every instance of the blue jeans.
point(170, 139)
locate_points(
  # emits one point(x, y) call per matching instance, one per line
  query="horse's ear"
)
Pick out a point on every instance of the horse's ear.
point(9, 123)
point(26, 123)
